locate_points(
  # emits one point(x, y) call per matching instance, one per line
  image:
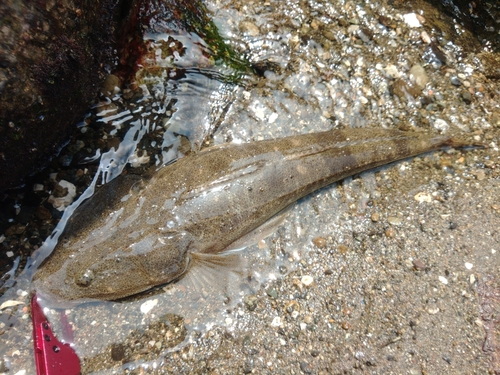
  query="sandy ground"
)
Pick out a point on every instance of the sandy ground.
point(394, 271)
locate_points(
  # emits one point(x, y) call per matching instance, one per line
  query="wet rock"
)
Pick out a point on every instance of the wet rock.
point(42, 213)
point(110, 84)
point(419, 75)
point(405, 90)
point(25, 214)
point(52, 79)
point(478, 17)
point(455, 81)
point(490, 64)
point(387, 22)
point(15, 230)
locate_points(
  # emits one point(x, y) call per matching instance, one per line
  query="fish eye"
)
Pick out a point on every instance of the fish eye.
point(85, 279)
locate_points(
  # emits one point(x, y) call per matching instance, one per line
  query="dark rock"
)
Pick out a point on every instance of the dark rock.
point(15, 230)
point(479, 17)
point(305, 367)
point(455, 81)
point(467, 97)
point(26, 214)
point(248, 367)
point(314, 353)
point(42, 213)
point(54, 56)
point(117, 352)
point(490, 64)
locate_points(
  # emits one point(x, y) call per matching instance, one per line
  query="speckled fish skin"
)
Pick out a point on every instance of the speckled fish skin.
point(204, 202)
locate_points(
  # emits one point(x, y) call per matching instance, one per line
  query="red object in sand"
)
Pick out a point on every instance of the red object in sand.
point(52, 357)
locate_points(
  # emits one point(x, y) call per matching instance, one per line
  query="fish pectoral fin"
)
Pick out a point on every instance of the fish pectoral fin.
point(214, 273)
point(261, 232)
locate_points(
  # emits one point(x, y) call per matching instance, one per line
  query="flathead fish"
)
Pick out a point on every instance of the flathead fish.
point(136, 235)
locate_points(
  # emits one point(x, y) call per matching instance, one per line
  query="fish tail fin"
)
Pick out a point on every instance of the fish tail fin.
point(463, 142)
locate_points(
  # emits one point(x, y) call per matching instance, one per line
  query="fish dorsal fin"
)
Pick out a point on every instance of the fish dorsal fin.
point(214, 274)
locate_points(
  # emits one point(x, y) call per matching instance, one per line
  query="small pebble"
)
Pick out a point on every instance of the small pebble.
point(249, 28)
point(393, 220)
point(16, 229)
point(305, 367)
point(345, 325)
point(307, 280)
point(392, 71)
point(250, 302)
point(148, 305)
point(390, 232)
point(480, 175)
point(433, 310)
point(271, 292)
point(418, 265)
point(425, 37)
point(419, 75)
point(468, 265)
point(443, 279)
point(455, 81)
point(441, 125)
point(375, 217)
point(319, 242)
point(423, 197)
point(10, 303)
point(412, 20)
point(308, 319)
point(276, 322)
point(342, 249)
point(43, 213)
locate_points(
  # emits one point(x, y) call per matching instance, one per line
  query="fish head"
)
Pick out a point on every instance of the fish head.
point(110, 274)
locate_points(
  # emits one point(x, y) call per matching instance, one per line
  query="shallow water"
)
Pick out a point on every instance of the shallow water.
point(323, 70)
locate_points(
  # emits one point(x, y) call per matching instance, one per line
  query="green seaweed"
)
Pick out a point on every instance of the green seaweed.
point(222, 51)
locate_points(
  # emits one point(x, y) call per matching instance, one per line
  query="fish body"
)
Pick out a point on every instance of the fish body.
point(125, 242)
